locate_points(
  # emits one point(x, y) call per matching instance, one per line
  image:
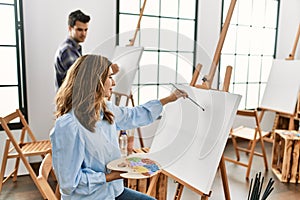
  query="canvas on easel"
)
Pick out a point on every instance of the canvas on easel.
point(280, 96)
point(296, 115)
point(128, 59)
point(189, 142)
point(282, 90)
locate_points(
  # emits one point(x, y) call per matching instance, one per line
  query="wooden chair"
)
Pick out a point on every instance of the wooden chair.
point(42, 179)
point(252, 135)
point(19, 149)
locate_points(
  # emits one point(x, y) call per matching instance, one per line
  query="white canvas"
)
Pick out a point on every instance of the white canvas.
point(189, 142)
point(128, 59)
point(282, 88)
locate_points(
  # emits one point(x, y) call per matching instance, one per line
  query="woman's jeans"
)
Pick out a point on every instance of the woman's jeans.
point(129, 194)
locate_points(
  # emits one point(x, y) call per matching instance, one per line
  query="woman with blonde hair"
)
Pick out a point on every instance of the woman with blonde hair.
point(85, 135)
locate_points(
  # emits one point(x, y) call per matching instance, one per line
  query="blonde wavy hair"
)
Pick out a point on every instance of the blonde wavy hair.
point(83, 91)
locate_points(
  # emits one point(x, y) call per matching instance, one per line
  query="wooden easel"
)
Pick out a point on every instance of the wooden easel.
point(132, 41)
point(206, 84)
point(222, 166)
point(296, 115)
point(207, 80)
point(138, 26)
point(292, 57)
point(292, 54)
point(118, 96)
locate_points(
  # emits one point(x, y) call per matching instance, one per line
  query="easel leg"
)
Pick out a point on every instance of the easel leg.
point(291, 123)
point(204, 197)
point(158, 186)
point(152, 184)
point(138, 129)
point(140, 137)
point(222, 168)
point(178, 192)
point(274, 126)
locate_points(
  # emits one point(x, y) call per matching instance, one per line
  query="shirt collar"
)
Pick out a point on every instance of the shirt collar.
point(75, 44)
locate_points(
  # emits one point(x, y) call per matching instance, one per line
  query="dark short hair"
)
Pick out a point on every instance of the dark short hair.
point(77, 16)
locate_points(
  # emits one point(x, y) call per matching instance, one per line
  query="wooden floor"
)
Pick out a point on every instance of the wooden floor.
point(24, 188)
point(238, 185)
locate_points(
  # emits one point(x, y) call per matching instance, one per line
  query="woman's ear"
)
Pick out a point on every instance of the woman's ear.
point(115, 68)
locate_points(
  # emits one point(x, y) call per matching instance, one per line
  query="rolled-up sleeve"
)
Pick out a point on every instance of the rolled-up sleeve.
point(133, 117)
point(68, 154)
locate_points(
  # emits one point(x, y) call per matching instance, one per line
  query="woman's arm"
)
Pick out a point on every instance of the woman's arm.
point(132, 117)
point(114, 175)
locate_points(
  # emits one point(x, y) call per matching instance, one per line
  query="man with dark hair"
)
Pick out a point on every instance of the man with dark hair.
point(70, 49)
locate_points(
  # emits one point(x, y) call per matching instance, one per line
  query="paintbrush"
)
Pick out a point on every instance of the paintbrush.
point(192, 100)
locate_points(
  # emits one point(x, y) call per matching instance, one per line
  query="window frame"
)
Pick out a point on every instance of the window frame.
point(177, 52)
point(261, 84)
point(20, 61)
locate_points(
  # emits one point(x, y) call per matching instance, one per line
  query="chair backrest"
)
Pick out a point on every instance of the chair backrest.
point(26, 129)
point(250, 113)
point(44, 171)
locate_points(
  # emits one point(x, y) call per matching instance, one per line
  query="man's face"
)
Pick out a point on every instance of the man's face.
point(79, 31)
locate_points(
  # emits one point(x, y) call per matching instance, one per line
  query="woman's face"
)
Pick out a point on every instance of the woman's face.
point(109, 83)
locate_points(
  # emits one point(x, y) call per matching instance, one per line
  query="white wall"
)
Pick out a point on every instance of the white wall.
point(45, 28)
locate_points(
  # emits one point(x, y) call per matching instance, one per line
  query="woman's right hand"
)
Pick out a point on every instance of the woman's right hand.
point(176, 94)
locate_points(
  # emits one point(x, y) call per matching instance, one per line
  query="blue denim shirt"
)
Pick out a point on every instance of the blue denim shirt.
point(80, 156)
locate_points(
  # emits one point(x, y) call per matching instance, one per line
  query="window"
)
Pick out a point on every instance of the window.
point(12, 68)
point(168, 35)
point(250, 47)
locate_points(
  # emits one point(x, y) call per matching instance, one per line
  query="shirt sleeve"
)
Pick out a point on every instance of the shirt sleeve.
point(133, 117)
point(68, 150)
point(68, 57)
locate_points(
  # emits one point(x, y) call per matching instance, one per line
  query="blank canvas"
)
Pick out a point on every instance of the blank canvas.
point(128, 59)
point(189, 142)
point(282, 88)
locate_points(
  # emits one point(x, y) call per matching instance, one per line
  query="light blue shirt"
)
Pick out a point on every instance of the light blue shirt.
point(80, 156)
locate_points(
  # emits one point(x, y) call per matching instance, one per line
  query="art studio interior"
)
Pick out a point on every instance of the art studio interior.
point(205, 92)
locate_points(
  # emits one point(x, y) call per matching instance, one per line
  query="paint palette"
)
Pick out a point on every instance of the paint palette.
point(135, 167)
